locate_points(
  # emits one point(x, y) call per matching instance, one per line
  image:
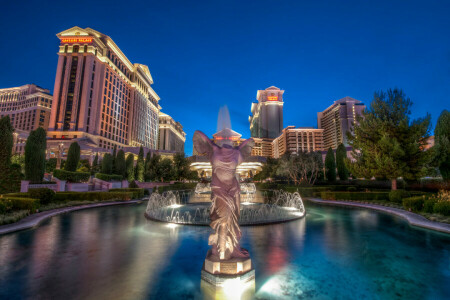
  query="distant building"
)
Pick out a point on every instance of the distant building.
point(429, 143)
point(28, 107)
point(337, 120)
point(100, 97)
point(263, 147)
point(266, 120)
point(171, 134)
point(294, 140)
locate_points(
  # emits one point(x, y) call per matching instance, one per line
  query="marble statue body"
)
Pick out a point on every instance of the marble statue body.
point(225, 194)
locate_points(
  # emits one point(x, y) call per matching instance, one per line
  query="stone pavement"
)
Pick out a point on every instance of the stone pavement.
point(34, 219)
point(412, 218)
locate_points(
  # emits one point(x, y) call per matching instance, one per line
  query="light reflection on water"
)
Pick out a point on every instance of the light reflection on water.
point(115, 253)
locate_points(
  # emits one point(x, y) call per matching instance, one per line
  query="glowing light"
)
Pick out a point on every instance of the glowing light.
point(272, 98)
point(233, 288)
point(175, 205)
point(77, 40)
point(246, 203)
point(172, 225)
point(290, 208)
point(298, 213)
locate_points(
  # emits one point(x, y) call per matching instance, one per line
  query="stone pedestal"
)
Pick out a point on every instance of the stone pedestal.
point(227, 279)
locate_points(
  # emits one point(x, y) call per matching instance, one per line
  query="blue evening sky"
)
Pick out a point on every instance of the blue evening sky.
point(206, 54)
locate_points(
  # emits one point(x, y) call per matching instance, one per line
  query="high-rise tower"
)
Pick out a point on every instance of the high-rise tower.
point(266, 120)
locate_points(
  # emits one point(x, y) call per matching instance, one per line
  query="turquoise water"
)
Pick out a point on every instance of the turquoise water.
point(333, 253)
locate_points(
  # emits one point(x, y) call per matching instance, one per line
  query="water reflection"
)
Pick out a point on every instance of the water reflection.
point(115, 253)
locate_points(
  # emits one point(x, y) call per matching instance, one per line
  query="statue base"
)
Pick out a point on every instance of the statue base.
point(227, 279)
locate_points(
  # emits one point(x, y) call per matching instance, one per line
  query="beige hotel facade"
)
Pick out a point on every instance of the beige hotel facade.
point(100, 98)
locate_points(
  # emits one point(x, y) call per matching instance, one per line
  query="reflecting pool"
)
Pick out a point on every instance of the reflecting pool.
point(116, 253)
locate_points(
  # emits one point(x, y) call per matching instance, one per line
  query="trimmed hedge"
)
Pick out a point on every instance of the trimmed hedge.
point(414, 204)
point(397, 195)
point(93, 196)
point(137, 192)
point(442, 208)
point(5, 205)
point(428, 205)
point(177, 186)
point(45, 195)
point(16, 203)
point(71, 176)
point(358, 196)
point(108, 177)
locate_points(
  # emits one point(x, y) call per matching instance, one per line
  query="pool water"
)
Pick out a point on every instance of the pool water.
point(332, 253)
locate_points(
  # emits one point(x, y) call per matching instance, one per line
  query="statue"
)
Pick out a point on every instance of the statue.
point(225, 194)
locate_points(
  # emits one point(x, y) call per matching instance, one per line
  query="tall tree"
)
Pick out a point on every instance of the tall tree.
point(73, 157)
point(442, 144)
point(341, 155)
point(130, 167)
point(6, 143)
point(181, 165)
point(330, 165)
point(153, 169)
point(107, 164)
point(35, 147)
point(114, 157)
point(386, 143)
point(140, 165)
point(166, 170)
point(95, 165)
point(121, 168)
point(148, 157)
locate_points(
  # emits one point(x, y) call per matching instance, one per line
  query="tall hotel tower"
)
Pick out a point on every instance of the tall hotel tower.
point(100, 96)
point(337, 120)
point(266, 120)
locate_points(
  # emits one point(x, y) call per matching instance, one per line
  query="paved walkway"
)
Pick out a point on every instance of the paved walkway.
point(412, 218)
point(34, 219)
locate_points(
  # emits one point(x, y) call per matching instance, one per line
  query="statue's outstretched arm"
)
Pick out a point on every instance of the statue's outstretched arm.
point(246, 148)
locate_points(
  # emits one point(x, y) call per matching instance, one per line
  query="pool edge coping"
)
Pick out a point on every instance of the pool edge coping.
point(34, 220)
point(412, 218)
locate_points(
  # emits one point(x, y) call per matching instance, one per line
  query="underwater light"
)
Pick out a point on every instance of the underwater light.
point(175, 205)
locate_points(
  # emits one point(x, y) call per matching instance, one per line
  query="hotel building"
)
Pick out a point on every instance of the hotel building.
point(266, 120)
point(294, 140)
point(100, 98)
point(171, 134)
point(337, 120)
point(263, 147)
point(28, 108)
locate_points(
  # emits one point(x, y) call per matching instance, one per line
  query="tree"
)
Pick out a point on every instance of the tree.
point(6, 143)
point(269, 169)
point(153, 170)
point(386, 143)
point(140, 165)
point(181, 165)
point(84, 166)
point(121, 168)
point(302, 167)
point(166, 170)
point(50, 164)
point(35, 147)
point(146, 165)
point(330, 166)
point(95, 166)
point(341, 155)
point(107, 164)
point(130, 167)
point(113, 162)
point(73, 157)
point(442, 144)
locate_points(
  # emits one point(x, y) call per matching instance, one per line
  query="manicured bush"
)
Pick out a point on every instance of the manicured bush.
point(45, 195)
point(428, 205)
point(120, 167)
point(5, 205)
point(73, 157)
point(442, 208)
point(10, 178)
point(130, 167)
point(107, 164)
point(330, 166)
point(93, 196)
point(352, 189)
point(413, 203)
point(358, 196)
point(397, 195)
point(137, 193)
point(341, 155)
point(108, 177)
point(22, 203)
point(35, 148)
point(72, 176)
point(139, 176)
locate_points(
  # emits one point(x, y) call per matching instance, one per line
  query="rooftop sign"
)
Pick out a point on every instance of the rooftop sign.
point(272, 98)
point(76, 40)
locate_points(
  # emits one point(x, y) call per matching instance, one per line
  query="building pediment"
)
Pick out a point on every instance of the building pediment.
point(74, 31)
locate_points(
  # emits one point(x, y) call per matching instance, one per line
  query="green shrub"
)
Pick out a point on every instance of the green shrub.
point(413, 203)
point(72, 176)
point(137, 192)
point(351, 189)
point(397, 195)
point(22, 203)
point(428, 205)
point(73, 157)
point(107, 164)
point(108, 177)
point(442, 208)
point(133, 185)
point(5, 205)
point(45, 195)
point(357, 196)
point(93, 196)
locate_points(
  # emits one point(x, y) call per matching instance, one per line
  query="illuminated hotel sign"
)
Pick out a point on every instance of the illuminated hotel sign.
point(272, 98)
point(77, 40)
